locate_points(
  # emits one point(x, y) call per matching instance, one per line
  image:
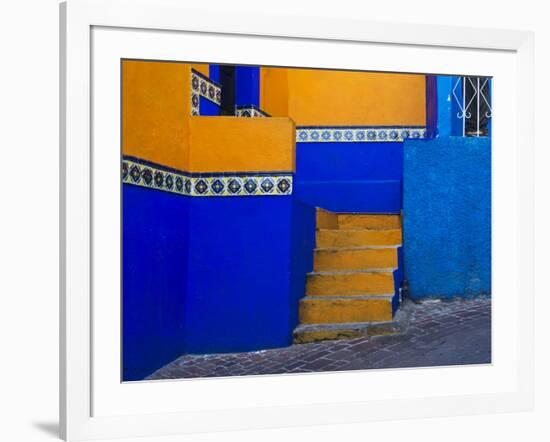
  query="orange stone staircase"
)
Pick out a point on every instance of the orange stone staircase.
point(351, 291)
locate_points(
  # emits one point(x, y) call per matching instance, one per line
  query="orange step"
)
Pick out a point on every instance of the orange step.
point(341, 310)
point(354, 259)
point(350, 283)
point(349, 221)
point(334, 238)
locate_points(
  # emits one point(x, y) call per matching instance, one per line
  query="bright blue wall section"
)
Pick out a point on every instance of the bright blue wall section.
point(214, 72)
point(457, 123)
point(203, 275)
point(447, 216)
point(350, 177)
point(239, 289)
point(155, 251)
point(247, 85)
point(208, 108)
point(444, 105)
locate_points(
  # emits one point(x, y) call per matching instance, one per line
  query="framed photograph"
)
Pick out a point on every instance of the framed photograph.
point(282, 221)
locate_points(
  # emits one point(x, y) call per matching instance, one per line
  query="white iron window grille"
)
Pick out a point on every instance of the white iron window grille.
point(472, 97)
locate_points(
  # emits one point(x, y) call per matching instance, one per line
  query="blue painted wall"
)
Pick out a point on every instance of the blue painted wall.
point(350, 177)
point(155, 249)
point(208, 108)
point(239, 277)
point(445, 108)
point(214, 73)
point(247, 85)
point(447, 217)
point(301, 258)
point(204, 275)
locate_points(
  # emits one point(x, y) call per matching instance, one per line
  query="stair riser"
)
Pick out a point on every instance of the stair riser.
point(326, 220)
point(354, 259)
point(357, 238)
point(350, 284)
point(384, 329)
point(330, 311)
point(380, 222)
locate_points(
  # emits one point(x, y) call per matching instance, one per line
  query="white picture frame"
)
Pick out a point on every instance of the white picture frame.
point(80, 376)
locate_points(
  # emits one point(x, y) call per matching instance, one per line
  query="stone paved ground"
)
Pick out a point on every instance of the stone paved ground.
point(434, 333)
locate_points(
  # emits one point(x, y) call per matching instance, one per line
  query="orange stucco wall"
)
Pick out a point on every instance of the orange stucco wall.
point(274, 91)
point(155, 112)
point(157, 126)
point(224, 144)
point(324, 97)
point(202, 68)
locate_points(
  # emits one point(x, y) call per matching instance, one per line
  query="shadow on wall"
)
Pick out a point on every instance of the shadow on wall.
point(447, 217)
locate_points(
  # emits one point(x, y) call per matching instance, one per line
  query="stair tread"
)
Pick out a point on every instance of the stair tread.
point(373, 247)
point(358, 296)
point(358, 230)
point(361, 271)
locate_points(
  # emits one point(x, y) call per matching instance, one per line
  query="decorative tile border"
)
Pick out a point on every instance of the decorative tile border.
point(202, 86)
point(250, 111)
point(357, 134)
point(154, 176)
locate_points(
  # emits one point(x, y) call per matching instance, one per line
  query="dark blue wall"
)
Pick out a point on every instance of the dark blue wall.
point(155, 250)
point(247, 85)
point(447, 216)
point(239, 275)
point(203, 275)
point(214, 73)
point(301, 259)
point(208, 108)
point(350, 177)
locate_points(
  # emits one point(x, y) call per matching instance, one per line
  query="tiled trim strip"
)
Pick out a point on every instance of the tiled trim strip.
point(202, 86)
point(250, 111)
point(146, 174)
point(358, 134)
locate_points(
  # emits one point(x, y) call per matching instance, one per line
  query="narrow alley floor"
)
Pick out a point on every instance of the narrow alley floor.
point(434, 333)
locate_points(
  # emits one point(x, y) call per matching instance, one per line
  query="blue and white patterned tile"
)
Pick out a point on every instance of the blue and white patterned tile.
point(202, 86)
point(250, 111)
point(359, 134)
point(145, 174)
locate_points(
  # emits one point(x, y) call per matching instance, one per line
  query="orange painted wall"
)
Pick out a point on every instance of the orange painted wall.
point(202, 68)
point(274, 91)
point(157, 126)
point(156, 112)
point(324, 97)
point(226, 144)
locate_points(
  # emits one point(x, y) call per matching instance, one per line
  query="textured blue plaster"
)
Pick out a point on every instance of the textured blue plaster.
point(447, 217)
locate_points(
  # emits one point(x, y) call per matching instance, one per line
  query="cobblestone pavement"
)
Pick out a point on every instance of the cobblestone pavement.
point(434, 333)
